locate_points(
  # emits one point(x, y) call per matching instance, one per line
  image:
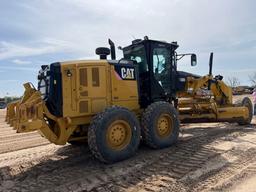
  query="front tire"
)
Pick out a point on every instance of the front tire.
point(114, 134)
point(246, 102)
point(160, 125)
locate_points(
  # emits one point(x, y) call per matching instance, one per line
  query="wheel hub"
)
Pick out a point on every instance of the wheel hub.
point(164, 125)
point(118, 135)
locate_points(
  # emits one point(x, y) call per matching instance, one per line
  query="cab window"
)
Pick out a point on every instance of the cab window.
point(162, 66)
point(161, 60)
point(137, 54)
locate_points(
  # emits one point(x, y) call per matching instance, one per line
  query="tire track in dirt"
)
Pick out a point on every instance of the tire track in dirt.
point(13, 134)
point(80, 171)
point(68, 168)
point(218, 179)
point(11, 141)
point(170, 168)
point(19, 145)
point(21, 137)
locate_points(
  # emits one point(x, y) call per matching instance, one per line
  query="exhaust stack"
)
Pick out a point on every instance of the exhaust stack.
point(112, 49)
point(210, 70)
point(210, 63)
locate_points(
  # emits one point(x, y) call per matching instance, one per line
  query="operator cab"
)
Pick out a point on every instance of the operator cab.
point(156, 61)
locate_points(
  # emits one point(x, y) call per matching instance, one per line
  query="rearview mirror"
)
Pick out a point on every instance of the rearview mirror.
point(193, 60)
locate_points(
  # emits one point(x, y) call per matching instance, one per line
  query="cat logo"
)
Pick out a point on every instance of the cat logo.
point(127, 73)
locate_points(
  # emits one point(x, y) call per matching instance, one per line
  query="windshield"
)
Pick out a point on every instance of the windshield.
point(137, 54)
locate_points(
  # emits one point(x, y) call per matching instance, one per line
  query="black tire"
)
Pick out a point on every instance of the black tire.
point(246, 102)
point(97, 134)
point(77, 143)
point(149, 123)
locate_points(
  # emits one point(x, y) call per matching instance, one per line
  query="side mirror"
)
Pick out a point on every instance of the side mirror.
point(193, 60)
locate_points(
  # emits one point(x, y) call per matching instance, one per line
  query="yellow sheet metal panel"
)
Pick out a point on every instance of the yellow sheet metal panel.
point(196, 118)
point(227, 91)
point(98, 105)
point(84, 62)
point(232, 112)
point(92, 77)
point(69, 90)
point(124, 89)
point(90, 86)
point(84, 83)
point(130, 104)
point(83, 106)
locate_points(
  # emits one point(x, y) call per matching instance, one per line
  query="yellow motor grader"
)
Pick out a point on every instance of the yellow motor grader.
point(113, 104)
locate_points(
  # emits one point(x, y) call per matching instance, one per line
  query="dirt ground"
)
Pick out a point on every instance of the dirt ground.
point(207, 157)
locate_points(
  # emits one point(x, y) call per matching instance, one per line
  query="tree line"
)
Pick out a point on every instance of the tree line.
point(234, 81)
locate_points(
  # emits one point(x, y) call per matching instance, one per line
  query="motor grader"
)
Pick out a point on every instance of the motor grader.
point(113, 104)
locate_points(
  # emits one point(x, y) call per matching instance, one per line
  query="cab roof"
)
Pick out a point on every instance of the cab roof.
point(147, 41)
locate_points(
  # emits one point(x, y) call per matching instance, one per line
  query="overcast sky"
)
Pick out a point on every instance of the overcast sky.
point(39, 32)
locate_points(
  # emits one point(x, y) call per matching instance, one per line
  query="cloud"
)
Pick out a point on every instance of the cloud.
point(54, 30)
point(9, 50)
point(18, 68)
point(21, 62)
point(247, 71)
point(9, 81)
point(80, 26)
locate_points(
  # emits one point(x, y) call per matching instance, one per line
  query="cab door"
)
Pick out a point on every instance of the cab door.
point(161, 71)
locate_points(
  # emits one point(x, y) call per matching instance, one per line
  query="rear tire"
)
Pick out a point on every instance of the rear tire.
point(160, 125)
point(77, 143)
point(114, 134)
point(246, 102)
